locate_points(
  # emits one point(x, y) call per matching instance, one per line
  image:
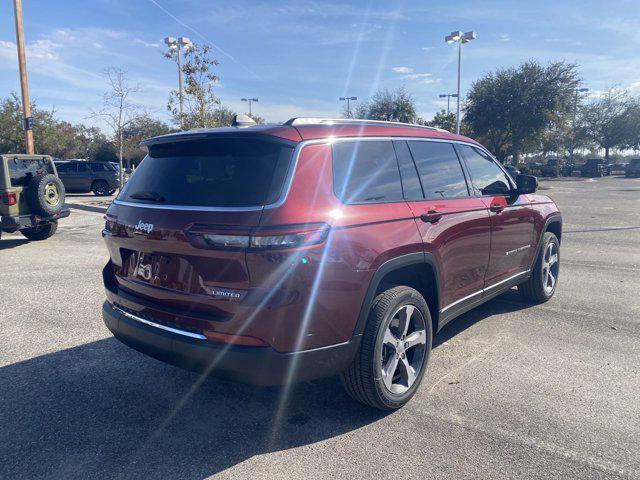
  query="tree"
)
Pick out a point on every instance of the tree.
point(202, 107)
point(141, 127)
point(118, 111)
point(509, 108)
point(392, 106)
point(612, 121)
point(444, 120)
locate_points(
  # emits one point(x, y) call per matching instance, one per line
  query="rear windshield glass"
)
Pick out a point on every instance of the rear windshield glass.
point(211, 173)
point(21, 170)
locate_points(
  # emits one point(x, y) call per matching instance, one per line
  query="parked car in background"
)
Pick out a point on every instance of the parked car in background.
point(276, 253)
point(83, 176)
point(533, 168)
point(633, 168)
point(552, 168)
point(594, 167)
point(617, 168)
point(31, 196)
point(513, 171)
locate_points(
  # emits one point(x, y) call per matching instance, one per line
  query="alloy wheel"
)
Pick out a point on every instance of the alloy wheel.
point(550, 267)
point(403, 349)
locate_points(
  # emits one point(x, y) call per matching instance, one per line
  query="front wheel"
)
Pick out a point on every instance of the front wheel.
point(394, 350)
point(544, 278)
point(40, 232)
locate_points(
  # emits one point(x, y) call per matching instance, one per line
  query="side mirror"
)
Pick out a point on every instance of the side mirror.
point(526, 184)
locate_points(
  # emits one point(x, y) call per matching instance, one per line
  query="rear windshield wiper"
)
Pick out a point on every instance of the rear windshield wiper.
point(153, 196)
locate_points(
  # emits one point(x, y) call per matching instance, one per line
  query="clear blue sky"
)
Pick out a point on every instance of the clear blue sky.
point(299, 56)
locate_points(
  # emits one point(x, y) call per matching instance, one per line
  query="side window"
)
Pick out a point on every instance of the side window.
point(440, 170)
point(410, 181)
point(366, 172)
point(97, 167)
point(66, 167)
point(83, 167)
point(487, 177)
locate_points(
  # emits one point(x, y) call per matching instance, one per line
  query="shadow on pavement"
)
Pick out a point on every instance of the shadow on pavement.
point(96, 411)
point(14, 242)
point(88, 208)
point(508, 302)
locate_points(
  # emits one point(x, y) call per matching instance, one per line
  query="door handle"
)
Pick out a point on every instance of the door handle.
point(432, 216)
point(496, 207)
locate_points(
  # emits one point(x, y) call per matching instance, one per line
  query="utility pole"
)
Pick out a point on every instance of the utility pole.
point(24, 84)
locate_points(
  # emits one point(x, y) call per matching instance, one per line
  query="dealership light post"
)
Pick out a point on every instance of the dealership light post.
point(578, 91)
point(448, 97)
point(348, 99)
point(182, 43)
point(459, 38)
point(250, 100)
point(27, 122)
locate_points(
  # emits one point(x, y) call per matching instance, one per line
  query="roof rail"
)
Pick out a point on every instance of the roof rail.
point(298, 121)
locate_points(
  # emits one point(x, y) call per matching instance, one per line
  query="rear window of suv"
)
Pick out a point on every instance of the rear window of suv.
point(211, 173)
point(21, 170)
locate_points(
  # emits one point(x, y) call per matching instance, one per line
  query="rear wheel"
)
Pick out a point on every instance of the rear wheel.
point(394, 350)
point(100, 188)
point(40, 232)
point(544, 279)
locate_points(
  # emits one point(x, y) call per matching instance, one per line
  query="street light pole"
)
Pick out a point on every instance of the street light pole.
point(459, 38)
point(174, 44)
point(250, 100)
point(573, 122)
point(448, 97)
point(348, 99)
point(24, 84)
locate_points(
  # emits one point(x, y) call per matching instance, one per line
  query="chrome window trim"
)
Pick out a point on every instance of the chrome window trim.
point(484, 290)
point(290, 174)
point(159, 326)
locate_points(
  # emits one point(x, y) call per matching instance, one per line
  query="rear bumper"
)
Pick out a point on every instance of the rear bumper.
point(255, 365)
point(18, 222)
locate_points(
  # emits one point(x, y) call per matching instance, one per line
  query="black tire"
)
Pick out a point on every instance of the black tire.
point(536, 288)
point(363, 379)
point(100, 188)
point(45, 194)
point(41, 232)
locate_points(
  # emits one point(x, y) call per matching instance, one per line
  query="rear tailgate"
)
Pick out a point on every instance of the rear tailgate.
point(155, 229)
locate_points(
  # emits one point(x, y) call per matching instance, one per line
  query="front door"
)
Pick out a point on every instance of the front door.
point(454, 226)
point(512, 242)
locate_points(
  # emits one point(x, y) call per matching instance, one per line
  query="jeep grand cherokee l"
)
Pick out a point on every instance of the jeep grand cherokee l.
point(271, 254)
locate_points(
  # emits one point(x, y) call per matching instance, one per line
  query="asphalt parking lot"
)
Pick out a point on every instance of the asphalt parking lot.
point(512, 390)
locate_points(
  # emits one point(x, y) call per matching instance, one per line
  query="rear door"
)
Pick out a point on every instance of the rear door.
point(181, 220)
point(512, 217)
point(453, 224)
point(67, 172)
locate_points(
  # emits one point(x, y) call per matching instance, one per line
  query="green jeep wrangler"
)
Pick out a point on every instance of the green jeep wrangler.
point(31, 196)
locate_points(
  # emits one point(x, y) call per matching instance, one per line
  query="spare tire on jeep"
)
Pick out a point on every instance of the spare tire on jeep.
point(45, 194)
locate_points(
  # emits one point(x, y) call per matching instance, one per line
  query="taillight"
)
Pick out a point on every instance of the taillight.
point(110, 223)
point(9, 198)
point(271, 238)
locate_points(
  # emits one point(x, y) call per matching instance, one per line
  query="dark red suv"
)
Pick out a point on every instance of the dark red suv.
point(271, 254)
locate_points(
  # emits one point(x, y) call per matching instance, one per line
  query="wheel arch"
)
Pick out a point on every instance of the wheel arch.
point(417, 270)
